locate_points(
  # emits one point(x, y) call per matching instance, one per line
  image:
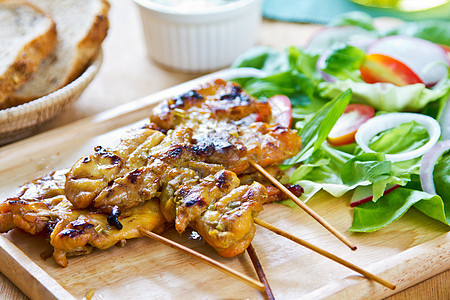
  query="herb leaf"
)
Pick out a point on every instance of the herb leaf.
point(317, 129)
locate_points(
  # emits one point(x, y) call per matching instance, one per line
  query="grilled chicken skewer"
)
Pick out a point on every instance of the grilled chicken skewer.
point(41, 206)
point(188, 177)
point(217, 127)
point(90, 206)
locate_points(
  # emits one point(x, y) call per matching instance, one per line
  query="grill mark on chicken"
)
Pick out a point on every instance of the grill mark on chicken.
point(115, 160)
point(189, 97)
point(222, 181)
point(79, 227)
point(199, 201)
point(133, 175)
point(236, 93)
point(18, 201)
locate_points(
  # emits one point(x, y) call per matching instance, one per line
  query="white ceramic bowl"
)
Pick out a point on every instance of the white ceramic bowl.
point(200, 40)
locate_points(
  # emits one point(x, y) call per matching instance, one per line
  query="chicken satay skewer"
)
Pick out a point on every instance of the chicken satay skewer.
point(215, 264)
point(324, 253)
point(259, 270)
point(302, 205)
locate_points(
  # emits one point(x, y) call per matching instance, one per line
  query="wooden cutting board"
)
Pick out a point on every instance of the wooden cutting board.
point(405, 253)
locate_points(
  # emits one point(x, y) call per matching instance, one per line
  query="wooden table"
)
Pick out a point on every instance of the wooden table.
point(127, 74)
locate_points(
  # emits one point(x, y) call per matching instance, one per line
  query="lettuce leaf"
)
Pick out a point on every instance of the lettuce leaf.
point(370, 216)
point(367, 166)
point(386, 96)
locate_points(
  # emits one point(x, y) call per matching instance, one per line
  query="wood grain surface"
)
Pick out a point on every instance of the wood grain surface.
point(127, 75)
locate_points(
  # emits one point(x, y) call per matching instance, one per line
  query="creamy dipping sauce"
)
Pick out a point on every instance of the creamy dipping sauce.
point(193, 5)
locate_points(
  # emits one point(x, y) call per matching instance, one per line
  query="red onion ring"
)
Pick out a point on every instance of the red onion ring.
point(383, 122)
point(427, 166)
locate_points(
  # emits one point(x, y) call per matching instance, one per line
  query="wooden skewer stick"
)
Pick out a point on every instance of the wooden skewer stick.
point(300, 203)
point(324, 253)
point(259, 270)
point(215, 264)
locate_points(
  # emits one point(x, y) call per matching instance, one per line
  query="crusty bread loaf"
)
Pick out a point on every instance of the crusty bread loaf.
point(27, 36)
point(82, 26)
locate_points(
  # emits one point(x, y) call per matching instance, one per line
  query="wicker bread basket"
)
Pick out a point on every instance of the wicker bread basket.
point(25, 120)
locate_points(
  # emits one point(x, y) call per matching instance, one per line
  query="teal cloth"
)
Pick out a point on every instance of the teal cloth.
point(322, 11)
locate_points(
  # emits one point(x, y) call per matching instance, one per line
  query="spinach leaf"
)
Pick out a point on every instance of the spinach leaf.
point(304, 62)
point(404, 138)
point(292, 73)
point(436, 31)
point(355, 18)
point(344, 62)
point(266, 59)
point(295, 85)
point(441, 176)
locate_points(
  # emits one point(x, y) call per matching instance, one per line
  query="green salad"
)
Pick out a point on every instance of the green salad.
point(343, 82)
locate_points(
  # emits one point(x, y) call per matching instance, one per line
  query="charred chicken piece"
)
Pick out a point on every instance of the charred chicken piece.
point(143, 183)
point(228, 126)
point(216, 100)
point(80, 231)
point(91, 174)
point(228, 224)
point(76, 232)
point(182, 179)
point(41, 206)
point(211, 131)
point(36, 204)
point(192, 201)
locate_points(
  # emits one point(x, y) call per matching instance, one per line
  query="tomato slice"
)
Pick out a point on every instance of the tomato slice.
point(281, 110)
point(382, 68)
point(344, 130)
point(446, 48)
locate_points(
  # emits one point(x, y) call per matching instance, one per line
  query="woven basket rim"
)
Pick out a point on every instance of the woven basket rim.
point(26, 113)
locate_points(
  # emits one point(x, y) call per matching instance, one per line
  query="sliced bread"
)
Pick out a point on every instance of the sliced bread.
point(82, 26)
point(27, 36)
